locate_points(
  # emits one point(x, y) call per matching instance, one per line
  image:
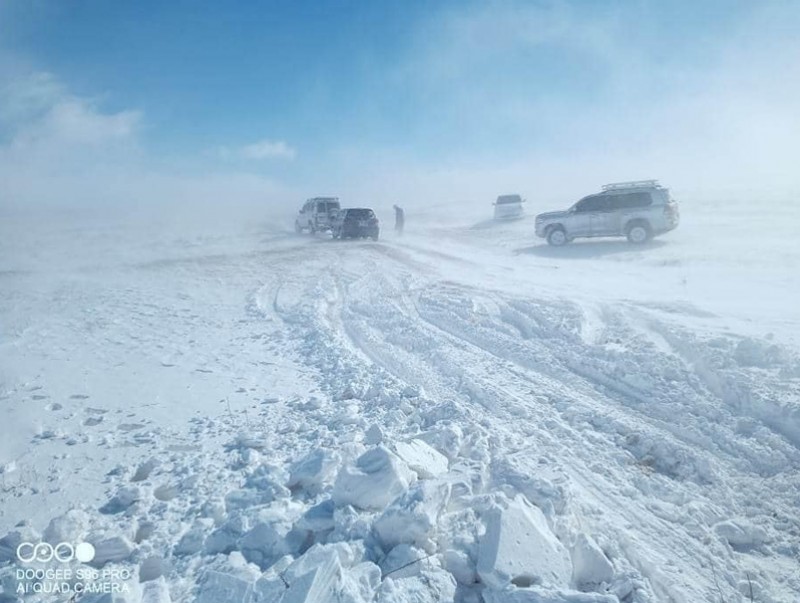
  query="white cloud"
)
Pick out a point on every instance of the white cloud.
point(258, 151)
point(60, 149)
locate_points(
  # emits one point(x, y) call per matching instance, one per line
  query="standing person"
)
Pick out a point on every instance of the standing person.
point(399, 219)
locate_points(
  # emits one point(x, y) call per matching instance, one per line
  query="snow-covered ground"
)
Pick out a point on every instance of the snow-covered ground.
point(230, 412)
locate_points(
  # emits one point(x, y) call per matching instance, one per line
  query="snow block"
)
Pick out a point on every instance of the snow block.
point(376, 479)
point(347, 554)
point(404, 561)
point(430, 586)
point(519, 548)
point(412, 517)
point(374, 435)
point(318, 585)
point(590, 566)
point(740, 534)
point(422, 458)
point(156, 592)
point(218, 587)
point(123, 499)
point(360, 583)
point(224, 539)
point(151, 568)
point(261, 545)
point(459, 564)
point(237, 500)
point(191, 542)
point(117, 548)
point(10, 542)
point(318, 518)
point(69, 527)
point(315, 471)
point(543, 595)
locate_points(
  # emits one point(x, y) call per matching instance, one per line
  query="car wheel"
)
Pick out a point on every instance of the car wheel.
point(557, 237)
point(375, 236)
point(639, 233)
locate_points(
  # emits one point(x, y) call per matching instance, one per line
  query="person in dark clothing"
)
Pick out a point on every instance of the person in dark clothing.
point(399, 219)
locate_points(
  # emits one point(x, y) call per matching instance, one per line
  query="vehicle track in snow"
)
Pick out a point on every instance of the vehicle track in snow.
point(627, 420)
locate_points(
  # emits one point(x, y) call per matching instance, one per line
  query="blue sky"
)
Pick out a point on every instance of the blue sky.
point(354, 94)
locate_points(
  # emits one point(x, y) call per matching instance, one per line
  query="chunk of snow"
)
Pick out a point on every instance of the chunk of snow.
point(69, 527)
point(459, 564)
point(590, 566)
point(360, 583)
point(144, 470)
point(519, 547)
point(404, 561)
point(261, 545)
point(151, 568)
point(422, 458)
point(10, 542)
point(123, 499)
point(116, 548)
point(156, 591)
point(317, 585)
point(318, 518)
point(447, 438)
point(413, 516)
point(219, 586)
point(430, 586)
point(544, 595)
point(315, 471)
point(376, 479)
point(224, 539)
point(374, 435)
point(191, 542)
point(740, 534)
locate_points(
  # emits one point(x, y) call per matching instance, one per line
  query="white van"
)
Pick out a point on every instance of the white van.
point(508, 207)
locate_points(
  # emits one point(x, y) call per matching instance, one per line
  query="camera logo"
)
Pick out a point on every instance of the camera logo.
point(63, 552)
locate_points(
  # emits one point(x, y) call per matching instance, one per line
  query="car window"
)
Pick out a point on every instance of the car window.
point(588, 204)
point(633, 200)
point(360, 214)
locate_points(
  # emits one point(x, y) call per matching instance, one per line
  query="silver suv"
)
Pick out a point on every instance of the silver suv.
point(637, 210)
point(316, 214)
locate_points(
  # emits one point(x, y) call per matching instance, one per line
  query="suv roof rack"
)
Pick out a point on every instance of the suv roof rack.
point(632, 184)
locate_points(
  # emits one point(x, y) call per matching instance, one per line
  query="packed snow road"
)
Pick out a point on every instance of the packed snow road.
point(456, 415)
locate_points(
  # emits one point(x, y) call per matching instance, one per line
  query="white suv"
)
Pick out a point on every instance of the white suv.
point(637, 210)
point(316, 214)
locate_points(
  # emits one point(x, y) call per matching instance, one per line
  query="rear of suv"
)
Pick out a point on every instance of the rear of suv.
point(637, 210)
point(356, 222)
point(316, 214)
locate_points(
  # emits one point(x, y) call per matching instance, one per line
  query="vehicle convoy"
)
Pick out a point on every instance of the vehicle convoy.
point(355, 222)
point(508, 207)
point(316, 214)
point(637, 210)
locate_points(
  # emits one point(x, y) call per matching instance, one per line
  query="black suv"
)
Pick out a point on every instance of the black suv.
point(355, 223)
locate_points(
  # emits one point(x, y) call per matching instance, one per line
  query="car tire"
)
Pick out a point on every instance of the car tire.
point(557, 237)
point(639, 233)
point(375, 236)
